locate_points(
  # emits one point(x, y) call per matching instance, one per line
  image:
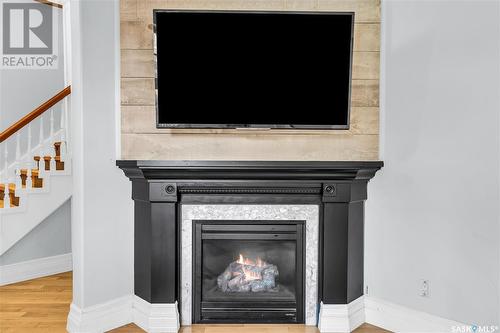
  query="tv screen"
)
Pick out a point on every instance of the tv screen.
point(253, 69)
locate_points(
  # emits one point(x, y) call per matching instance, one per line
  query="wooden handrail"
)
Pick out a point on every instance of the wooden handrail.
point(34, 114)
point(50, 3)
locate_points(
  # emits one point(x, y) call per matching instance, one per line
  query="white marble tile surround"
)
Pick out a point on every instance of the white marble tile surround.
point(308, 213)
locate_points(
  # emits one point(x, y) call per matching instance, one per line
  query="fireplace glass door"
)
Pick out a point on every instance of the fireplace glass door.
point(248, 271)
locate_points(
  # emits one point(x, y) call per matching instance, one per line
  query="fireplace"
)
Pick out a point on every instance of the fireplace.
point(248, 272)
point(288, 237)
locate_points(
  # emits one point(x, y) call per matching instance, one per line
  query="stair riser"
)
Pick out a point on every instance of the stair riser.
point(37, 182)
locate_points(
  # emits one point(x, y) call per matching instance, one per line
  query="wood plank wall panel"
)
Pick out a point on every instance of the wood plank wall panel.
point(141, 139)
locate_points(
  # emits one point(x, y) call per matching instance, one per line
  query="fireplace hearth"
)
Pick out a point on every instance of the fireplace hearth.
point(248, 271)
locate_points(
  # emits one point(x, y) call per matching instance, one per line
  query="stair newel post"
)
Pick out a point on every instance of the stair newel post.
point(6, 198)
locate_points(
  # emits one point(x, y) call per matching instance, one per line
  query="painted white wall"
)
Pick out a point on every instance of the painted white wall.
point(102, 211)
point(50, 238)
point(22, 90)
point(433, 210)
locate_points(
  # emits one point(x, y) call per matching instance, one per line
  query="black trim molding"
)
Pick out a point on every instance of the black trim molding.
point(159, 188)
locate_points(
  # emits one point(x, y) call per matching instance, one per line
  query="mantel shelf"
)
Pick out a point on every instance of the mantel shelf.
point(264, 170)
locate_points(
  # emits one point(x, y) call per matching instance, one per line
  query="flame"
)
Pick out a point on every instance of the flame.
point(249, 274)
point(247, 261)
point(260, 263)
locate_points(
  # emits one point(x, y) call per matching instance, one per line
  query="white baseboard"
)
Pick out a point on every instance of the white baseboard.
point(101, 317)
point(341, 318)
point(37, 268)
point(397, 318)
point(122, 311)
point(155, 318)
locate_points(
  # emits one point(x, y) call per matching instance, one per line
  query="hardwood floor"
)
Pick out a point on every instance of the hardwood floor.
point(36, 306)
point(247, 328)
point(42, 305)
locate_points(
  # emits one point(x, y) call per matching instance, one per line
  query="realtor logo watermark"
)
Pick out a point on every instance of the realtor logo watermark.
point(29, 35)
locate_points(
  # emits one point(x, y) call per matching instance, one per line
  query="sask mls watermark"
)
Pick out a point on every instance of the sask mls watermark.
point(474, 329)
point(29, 35)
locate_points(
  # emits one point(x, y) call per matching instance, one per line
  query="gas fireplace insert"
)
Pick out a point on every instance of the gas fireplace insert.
point(248, 271)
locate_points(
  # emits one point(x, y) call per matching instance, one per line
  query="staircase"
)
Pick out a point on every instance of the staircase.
point(36, 180)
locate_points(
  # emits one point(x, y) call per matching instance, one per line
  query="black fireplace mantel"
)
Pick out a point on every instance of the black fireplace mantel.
point(159, 188)
point(288, 170)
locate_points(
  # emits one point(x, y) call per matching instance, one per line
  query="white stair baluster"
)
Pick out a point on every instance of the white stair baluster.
point(17, 164)
point(29, 143)
point(18, 146)
point(29, 183)
point(18, 181)
point(52, 154)
point(51, 123)
point(61, 121)
point(67, 138)
point(41, 170)
point(40, 140)
point(62, 151)
point(6, 198)
point(41, 164)
point(41, 136)
point(62, 148)
point(5, 162)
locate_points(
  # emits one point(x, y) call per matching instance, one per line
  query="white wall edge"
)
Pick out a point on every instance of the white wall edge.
point(118, 112)
point(73, 23)
point(498, 140)
point(397, 318)
point(382, 86)
point(37, 268)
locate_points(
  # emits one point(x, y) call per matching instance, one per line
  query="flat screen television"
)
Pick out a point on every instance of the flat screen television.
point(229, 69)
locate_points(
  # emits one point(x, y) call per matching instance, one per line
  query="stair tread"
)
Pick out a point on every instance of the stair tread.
point(12, 187)
point(37, 182)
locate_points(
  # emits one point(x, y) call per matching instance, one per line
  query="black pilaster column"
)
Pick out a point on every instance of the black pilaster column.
point(343, 242)
point(155, 242)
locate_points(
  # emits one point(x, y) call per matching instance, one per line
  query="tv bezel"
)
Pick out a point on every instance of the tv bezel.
point(251, 126)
